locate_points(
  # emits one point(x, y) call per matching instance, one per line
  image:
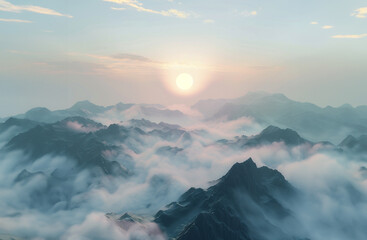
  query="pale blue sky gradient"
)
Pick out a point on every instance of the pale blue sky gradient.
point(73, 50)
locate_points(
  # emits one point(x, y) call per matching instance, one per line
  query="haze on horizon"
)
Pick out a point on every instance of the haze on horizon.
point(56, 53)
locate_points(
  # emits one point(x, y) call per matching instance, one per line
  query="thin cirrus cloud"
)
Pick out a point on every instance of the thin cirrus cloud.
point(355, 36)
point(208, 21)
point(118, 9)
point(327, 27)
point(314, 23)
point(116, 64)
point(14, 20)
point(133, 57)
point(139, 7)
point(248, 13)
point(9, 7)
point(360, 12)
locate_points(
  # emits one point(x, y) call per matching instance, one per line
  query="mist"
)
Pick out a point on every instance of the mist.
point(163, 161)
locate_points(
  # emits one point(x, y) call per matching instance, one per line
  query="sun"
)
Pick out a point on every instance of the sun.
point(184, 81)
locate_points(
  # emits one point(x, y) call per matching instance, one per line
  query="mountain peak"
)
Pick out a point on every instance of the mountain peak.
point(245, 176)
point(273, 130)
point(38, 110)
point(83, 104)
point(249, 163)
point(256, 96)
point(349, 141)
point(123, 106)
point(86, 107)
point(353, 143)
point(270, 130)
point(276, 134)
point(221, 202)
point(255, 181)
point(129, 217)
point(240, 169)
point(346, 106)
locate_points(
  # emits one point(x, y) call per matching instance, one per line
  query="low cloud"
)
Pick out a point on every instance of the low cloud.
point(97, 226)
point(158, 179)
point(75, 126)
point(334, 202)
point(327, 27)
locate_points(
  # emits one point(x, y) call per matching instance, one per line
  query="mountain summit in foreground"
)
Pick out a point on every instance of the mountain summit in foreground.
point(248, 203)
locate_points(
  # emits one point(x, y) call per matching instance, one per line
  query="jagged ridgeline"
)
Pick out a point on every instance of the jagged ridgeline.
point(248, 203)
point(151, 168)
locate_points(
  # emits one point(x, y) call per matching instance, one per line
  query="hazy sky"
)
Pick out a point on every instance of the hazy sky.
point(56, 52)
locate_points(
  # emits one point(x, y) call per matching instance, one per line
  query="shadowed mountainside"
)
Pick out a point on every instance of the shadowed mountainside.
point(244, 204)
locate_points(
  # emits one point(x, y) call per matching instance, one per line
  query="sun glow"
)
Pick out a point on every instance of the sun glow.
point(184, 81)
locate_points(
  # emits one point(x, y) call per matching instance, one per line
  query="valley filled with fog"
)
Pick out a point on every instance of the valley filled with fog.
point(257, 167)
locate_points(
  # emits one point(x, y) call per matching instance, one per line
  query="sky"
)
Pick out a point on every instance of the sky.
point(54, 53)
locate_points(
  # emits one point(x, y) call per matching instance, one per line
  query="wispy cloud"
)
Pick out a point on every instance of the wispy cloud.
point(71, 67)
point(248, 13)
point(314, 23)
point(127, 64)
point(14, 20)
point(327, 27)
point(117, 64)
point(139, 7)
point(133, 57)
point(118, 9)
point(360, 12)
point(208, 21)
point(351, 36)
point(9, 7)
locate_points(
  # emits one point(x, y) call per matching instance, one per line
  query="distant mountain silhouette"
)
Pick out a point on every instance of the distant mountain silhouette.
point(87, 109)
point(269, 135)
point(355, 144)
point(313, 122)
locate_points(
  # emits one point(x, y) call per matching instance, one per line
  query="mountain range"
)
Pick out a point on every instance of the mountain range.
point(311, 121)
point(150, 166)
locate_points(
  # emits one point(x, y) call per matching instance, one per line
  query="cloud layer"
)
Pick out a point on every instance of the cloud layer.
point(165, 168)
